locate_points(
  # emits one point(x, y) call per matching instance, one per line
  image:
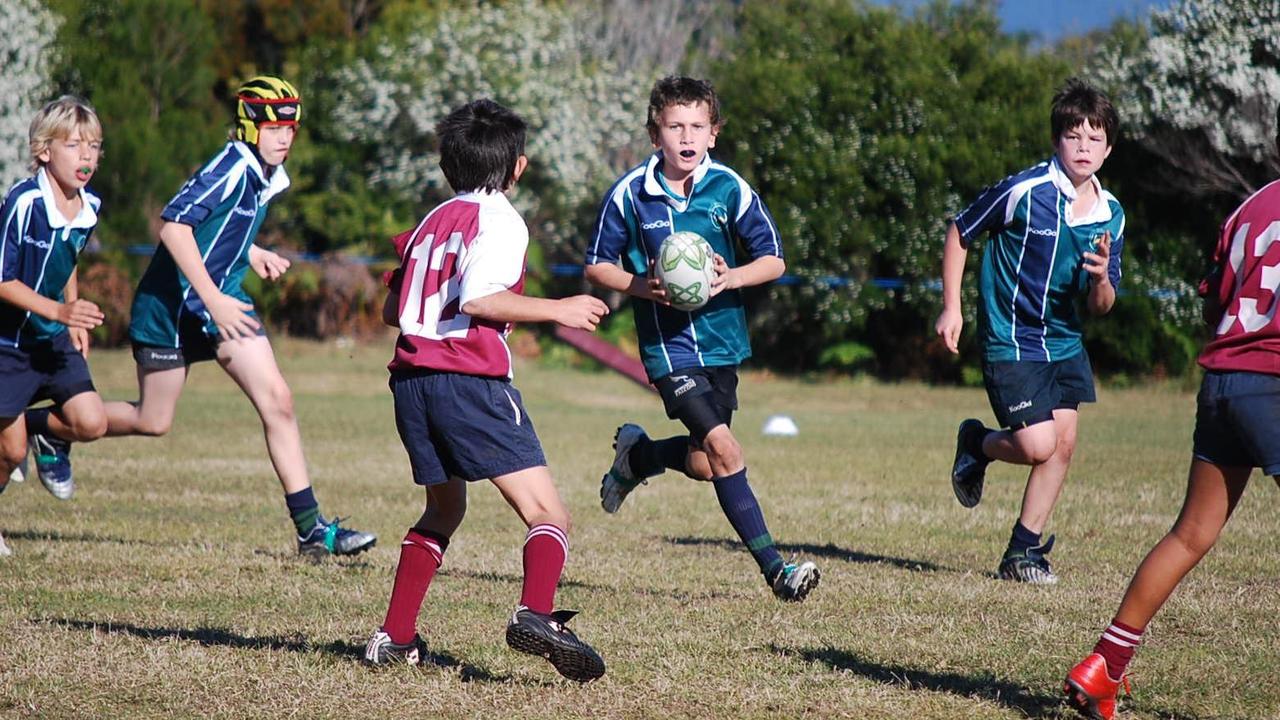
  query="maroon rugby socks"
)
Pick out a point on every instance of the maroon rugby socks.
point(421, 554)
point(546, 548)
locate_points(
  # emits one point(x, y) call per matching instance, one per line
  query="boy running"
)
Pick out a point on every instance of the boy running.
point(454, 297)
point(1237, 429)
point(691, 357)
point(44, 325)
point(1055, 234)
point(190, 306)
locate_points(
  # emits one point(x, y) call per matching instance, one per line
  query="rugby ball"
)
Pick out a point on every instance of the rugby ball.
point(686, 267)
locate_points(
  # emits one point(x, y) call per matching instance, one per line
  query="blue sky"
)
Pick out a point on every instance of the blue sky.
point(1052, 19)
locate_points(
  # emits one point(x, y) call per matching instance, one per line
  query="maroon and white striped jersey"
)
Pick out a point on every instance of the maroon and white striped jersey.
point(1244, 288)
point(469, 247)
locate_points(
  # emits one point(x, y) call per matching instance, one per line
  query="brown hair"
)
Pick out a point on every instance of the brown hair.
point(673, 90)
point(1078, 101)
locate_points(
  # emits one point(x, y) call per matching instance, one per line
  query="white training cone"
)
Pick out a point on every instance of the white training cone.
point(780, 425)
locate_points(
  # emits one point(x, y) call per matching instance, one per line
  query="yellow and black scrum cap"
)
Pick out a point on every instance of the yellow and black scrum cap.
point(265, 100)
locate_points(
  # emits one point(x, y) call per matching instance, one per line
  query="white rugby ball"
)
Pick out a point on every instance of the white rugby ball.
point(686, 267)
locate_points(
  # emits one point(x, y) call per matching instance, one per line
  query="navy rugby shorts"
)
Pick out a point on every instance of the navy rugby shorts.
point(464, 426)
point(701, 397)
point(50, 370)
point(1238, 421)
point(1024, 393)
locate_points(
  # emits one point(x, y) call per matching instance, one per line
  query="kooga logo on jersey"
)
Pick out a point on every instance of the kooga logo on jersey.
point(656, 224)
point(42, 244)
point(1048, 232)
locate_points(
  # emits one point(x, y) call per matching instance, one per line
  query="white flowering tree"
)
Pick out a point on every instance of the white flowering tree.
point(1202, 93)
point(585, 112)
point(25, 55)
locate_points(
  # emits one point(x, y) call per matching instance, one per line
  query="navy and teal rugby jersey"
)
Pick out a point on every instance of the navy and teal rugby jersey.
point(1032, 267)
point(224, 203)
point(639, 212)
point(39, 247)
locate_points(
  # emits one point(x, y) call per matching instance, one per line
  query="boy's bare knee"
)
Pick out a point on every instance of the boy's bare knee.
point(723, 450)
point(88, 429)
point(281, 403)
point(154, 427)
point(12, 458)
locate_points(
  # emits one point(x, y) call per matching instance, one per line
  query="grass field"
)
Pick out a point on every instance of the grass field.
point(169, 586)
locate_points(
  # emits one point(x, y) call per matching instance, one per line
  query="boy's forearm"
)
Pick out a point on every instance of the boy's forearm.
point(954, 254)
point(506, 306)
point(71, 291)
point(180, 240)
point(613, 277)
point(762, 270)
point(1102, 297)
point(18, 294)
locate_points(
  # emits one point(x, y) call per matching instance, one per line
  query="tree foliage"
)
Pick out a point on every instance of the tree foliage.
point(1201, 92)
point(144, 64)
point(864, 131)
point(26, 56)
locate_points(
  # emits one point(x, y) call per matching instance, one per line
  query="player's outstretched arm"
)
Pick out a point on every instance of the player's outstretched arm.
point(951, 319)
point(73, 314)
point(1102, 294)
point(612, 277)
point(579, 311)
point(229, 314)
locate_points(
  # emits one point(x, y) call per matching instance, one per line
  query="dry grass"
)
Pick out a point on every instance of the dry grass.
point(169, 587)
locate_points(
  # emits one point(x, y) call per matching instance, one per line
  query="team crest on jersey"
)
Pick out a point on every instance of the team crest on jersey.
point(719, 215)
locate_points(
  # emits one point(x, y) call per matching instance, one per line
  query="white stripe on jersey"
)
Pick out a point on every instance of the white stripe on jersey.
point(1013, 303)
point(1044, 299)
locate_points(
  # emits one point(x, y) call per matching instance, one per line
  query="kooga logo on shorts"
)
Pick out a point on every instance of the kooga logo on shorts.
point(1020, 406)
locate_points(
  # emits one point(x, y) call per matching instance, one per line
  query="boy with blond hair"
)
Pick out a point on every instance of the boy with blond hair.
point(45, 223)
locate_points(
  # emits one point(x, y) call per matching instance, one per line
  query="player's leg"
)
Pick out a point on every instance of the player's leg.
point(77, 414)
point(421, 555)
point(159, 389)
point(1022, 397)
point(1212, 495)
point(13, 447)
point(1024, 557)
point(19, 381)
point(252, 365)
point(637, 457)
point(536, 628)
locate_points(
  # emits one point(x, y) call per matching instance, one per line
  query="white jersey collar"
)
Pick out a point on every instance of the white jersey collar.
point(654, 186)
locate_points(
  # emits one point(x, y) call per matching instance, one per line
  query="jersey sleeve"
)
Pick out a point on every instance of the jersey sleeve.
point(14, 219)
point(494, 261)
point(986, 213)
point(392, 279)
point(1117, 249)
point(613, 228)
point(755, 226)
point(202, 194)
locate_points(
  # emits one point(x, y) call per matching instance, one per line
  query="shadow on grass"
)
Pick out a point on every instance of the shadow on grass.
point(496, 577)
point(828, 550)
point(985, 686)
point(980, 684)
point(218, 637)
point(56, 536)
